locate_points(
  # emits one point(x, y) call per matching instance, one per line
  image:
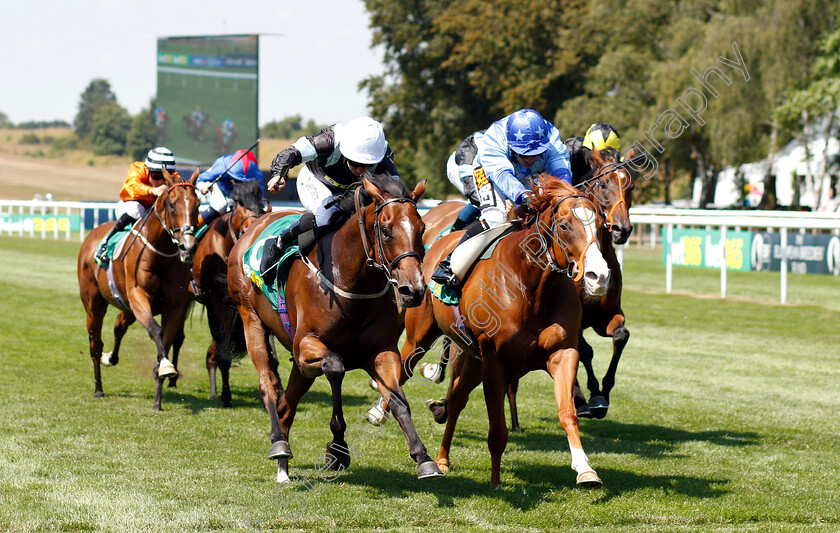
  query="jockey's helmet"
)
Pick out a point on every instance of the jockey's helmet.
point(363, 141)
point(527, 132)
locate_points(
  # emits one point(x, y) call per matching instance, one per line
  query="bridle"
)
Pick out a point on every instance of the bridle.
point(380, 261)
point(186, 229)
point(607, 209)
point(573, 269)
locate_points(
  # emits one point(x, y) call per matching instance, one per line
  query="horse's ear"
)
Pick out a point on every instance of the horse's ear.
point(194, 176)
point(167, 176)
point(630, 154)
point(596, 158)
point(418, 191)
point(373, 191)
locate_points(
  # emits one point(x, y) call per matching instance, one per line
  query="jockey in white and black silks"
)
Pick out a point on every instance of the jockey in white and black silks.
point(335, 159)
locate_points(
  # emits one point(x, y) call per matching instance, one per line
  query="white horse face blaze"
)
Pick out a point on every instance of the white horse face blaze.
point(596, 272)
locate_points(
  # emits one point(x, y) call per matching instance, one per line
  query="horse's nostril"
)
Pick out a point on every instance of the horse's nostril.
point(405, 290)
point(591, 276)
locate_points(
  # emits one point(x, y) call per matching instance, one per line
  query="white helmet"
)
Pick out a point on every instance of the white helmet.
point(363, 141)
point(160, 158)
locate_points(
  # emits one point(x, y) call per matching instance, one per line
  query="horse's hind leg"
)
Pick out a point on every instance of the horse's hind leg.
point(511, 389)
point(494, 398)
point(176, 351)
point(465, 376)
point(124, 320)
point(620, 336)
point(211, 362)
point(597, 402)
point(96, 306)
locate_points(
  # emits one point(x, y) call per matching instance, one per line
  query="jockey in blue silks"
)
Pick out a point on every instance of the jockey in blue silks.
point(240, 166)
point(513, 150)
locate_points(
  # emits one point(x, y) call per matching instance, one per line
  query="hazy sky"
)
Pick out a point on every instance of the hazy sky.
point(311, 64)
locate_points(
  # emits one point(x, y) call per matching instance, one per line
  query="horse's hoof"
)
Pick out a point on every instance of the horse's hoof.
point(432, 372)
point(213, 396)
point(105, 359)
point(584, 412)
point(376, 414)
point(428, 469)
point(280, 450)
point(598, 406)
point(373, 385)
point(342, 458)
point(438, 409)
point(166, 369)
point(589, 479)
point(443, 465)
point(99, 394)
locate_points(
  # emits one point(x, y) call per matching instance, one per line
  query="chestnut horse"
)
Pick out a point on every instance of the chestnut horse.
point(150, 276)
point(342, 312)
point(210, 278)
point(522, 313)
point(611, 191)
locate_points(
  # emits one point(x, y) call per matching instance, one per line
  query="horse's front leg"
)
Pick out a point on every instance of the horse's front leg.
point(596, 398)
point(387, 369)
point(172, 335)
point(562, 366)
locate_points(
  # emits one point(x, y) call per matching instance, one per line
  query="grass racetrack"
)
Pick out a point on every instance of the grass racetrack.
point(725, 417)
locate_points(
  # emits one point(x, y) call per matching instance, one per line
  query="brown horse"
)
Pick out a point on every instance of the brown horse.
point(210, 278)
point(523, 313)
point(149, 277)
point(343, 315)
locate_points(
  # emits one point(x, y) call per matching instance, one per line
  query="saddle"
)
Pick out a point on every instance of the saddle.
point(465, 255)
point(114, 246)
point(253, 256)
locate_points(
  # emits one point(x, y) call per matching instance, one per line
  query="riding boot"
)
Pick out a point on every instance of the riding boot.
point(207, 216)
point(122, 223)
point(273, 248)
point(443, 273)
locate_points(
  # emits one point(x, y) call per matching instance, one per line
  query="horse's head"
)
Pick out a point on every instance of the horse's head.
point(397, 233)
point(611, 188)
point(572, 222)
point(177, 209)
point(248, 205)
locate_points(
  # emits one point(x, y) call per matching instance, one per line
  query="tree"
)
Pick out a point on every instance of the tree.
point(5, 123)
point(141, 136)
point(97, 94)
point(109, 128)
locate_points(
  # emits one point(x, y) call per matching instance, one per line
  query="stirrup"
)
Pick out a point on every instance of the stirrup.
point(101, 254)
point(443, 274)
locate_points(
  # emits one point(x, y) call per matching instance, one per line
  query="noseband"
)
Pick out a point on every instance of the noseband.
point(588, 185)
point(186, 229)
point(377, 231)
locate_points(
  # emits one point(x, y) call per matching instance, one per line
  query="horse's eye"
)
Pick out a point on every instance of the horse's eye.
point(385, 233)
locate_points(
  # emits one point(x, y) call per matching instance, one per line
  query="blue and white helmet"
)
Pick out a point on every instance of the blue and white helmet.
point(527, 132)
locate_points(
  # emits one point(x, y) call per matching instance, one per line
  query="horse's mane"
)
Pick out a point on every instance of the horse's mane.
point(549, 189)
point(248, 194)
point(384, 182)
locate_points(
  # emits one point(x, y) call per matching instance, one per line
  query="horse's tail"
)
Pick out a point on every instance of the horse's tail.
point(234, 347)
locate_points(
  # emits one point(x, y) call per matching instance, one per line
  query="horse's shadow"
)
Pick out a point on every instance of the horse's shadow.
point(644, 440)
point(245, 398)
point(526, 483)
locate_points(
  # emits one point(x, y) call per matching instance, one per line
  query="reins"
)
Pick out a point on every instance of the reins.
point(377, 230)
point(186, 229)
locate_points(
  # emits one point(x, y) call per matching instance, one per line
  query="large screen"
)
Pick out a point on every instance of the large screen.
point(207, 94)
